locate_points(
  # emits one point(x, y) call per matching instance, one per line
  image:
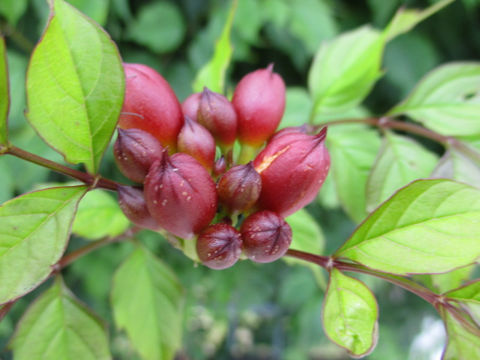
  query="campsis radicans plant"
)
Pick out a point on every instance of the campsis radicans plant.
point(190, 193)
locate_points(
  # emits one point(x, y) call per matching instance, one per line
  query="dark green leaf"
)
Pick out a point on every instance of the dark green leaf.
point(350, 314)
point(147, 301)
point(99, 215)
point(34, 231)
point(353, 149)
point(96, 10)
point(75, 70)
point(4, 96)
point(446, 100)
point(13, 10)
point(160, 27)
point(345, 69)
point(400, 161)
point(212, 74)
point(57, 326)
point(406, 19)
point(430, 226)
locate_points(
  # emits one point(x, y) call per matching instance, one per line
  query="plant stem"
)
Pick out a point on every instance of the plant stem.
point(91, 180)
point(386, 123)
point(329, 262)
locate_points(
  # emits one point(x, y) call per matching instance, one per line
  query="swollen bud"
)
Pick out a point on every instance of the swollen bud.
point(293, 168)
point(151, 105)
point(219, 246)
point(135, 150)
point(217, 114)
point(197, 142)
point(180, 195)
point(266, 236)
point(190, 106)
point(259, 100)
point(133, 205)
point(239, 188)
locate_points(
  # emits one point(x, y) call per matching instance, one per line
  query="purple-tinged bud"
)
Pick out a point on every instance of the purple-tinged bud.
point(266, 236)
point(132, 202)
point(239, 188)
point(303, 129)
point(217, 114)
point(293, 168)
point(197, 142)
point(220, 166)
point(190, 106)
point(259, 100)
point(219, 246)
point(180, 195)
point(151, 105)
point(135, 151)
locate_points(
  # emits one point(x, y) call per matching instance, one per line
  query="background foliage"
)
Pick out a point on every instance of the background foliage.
point(251, 310)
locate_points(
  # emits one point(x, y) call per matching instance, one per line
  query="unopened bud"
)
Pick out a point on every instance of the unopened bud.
point(180, 195)
point(219, 246)
point(239, 188)
point(133, 205)
point(259, 100)
point(220, 166)
point(190, 106)
point(151, 105)
point(197, 142)
point(293, 168)
point(135, 151)
point(217, 114)
point(266, 236)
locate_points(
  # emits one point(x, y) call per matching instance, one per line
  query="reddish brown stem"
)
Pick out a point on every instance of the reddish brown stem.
point(88, 179)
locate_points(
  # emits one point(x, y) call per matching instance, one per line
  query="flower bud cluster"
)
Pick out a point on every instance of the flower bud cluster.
point(191, 183)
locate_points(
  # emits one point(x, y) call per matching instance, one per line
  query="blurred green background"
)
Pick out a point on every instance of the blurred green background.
point(250, 311)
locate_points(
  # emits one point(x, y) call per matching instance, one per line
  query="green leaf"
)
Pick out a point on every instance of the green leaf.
point(463, 341)
point(400, 161)
point(345, 69)
point(160, 27)
point(212, 74)
point(446, 100)
point(350, 314)
point(406, 19)
point(430, 226)
point(99, 215)
point(469, 292)
point(459, 166)
point(96, 10)
point(4, 96)
point(57, 326)
point(297, 108)
point(34, 231)
point(147, 301)
point(353, 149)
point(307, 235)
point(452, 279)
point(13, 10)
point(7, 180)
point(75, 87)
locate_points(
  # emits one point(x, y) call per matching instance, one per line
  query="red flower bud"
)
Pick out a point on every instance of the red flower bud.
point(220, 166)
point(239, 188)
point(180, 195)
point(266, 236)
point(134, 207)
point(219, 246)
point(190, 106)
point(303, 129)
point(293, 167)
point(135, 150)
point(259, 100)
point(151, 105)
point(217, 114)
point(197, 142)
